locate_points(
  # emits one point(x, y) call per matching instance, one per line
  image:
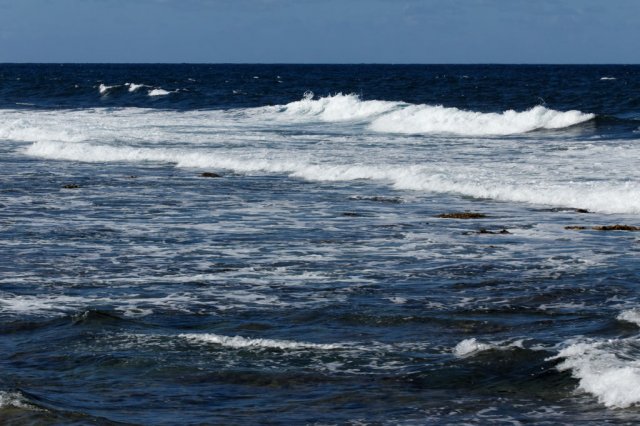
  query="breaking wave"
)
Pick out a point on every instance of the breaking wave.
point(400, 117)
point(607, 369)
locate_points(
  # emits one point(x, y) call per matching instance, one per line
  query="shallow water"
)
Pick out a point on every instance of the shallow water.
point(314, 281)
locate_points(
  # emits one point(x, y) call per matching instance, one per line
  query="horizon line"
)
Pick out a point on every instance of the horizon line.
point(333, 63)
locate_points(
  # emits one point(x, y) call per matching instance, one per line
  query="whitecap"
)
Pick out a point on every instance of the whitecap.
point(238, 342)
point(133, 87)
point(158, 92)
point(630, 315)
point(607, 369)
point(104, 89)
point(15, 400)
point(427, 119)
point(400, 117)
point(470, 347)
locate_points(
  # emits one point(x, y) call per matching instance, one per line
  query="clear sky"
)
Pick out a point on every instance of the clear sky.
point(321, 31)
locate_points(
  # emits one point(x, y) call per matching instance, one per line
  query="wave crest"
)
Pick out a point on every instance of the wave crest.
point(400, 117)
point(609, 370)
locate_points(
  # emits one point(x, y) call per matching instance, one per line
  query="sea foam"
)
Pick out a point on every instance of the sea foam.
point(608, 369)
point(400, 117)
point(14, 400)
point(630, 315)
point(238, 342)
point(465, 180)
point(158, 92)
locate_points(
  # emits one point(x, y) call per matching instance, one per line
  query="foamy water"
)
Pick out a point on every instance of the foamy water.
point(576, 173)
point(191, 244)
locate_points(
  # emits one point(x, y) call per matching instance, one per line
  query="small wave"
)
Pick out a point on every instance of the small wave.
point(631, 315)
point(104, 89)
point(400, 117)
point(469, 347)
point(607, 78)
point(609, 370)
point(15, 400)
point(133, 87)
point(238, 342)
point(161, 92)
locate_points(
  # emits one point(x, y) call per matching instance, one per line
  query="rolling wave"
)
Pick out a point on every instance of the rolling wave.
point(400, 117)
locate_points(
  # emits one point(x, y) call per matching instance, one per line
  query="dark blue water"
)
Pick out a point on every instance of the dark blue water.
point(316, 277)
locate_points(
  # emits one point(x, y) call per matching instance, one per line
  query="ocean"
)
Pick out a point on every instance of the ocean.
point(319, 244)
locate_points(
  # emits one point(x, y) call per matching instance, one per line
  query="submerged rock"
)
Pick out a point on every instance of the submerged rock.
point(605, 228)
point(616, 228)
point(462, 215)
point(486, 231)
point(210, 175)
point(71, 186)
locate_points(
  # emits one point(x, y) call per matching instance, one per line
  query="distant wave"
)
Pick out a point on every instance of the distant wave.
point(400, 117)
point(104, 89)
point(607, 78)
point(158, 92)
point(133, 87)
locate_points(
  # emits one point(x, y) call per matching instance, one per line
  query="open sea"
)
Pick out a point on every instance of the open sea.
point(319, 244)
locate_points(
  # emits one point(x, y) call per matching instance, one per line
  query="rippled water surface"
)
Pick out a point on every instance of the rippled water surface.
point(220, 245)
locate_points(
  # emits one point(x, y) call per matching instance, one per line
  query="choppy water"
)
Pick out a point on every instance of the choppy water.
point(314, 280)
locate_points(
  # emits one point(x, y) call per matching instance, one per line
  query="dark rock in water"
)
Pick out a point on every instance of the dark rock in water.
point(132, 177)
point(605, 228)
point(210, 175)
point(71, 186)
point(462, 215)
point(485, 231)
point(616, 228)
point(582, 211)
point(377, 198)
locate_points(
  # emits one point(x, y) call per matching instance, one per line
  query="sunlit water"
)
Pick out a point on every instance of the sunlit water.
point(312, 277)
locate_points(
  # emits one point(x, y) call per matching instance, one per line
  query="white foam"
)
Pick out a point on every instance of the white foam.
point(400, 117)
point(630, 315)
point(609, 370)
point(607, 78)
point(600, 177)
point(480, 182)
point(470, 347)
point(238, 342)
point(14, 400)
point(134, 87)
point(158, 92)
point(336, 108)
point(103, 89)
point(426, 119)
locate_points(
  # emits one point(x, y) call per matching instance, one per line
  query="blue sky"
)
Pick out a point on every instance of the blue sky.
point(321, 31)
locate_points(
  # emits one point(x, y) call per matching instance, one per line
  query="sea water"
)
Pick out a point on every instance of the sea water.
point(319, 272)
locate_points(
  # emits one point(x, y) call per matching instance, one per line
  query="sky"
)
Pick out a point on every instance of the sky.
point(321, 31)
